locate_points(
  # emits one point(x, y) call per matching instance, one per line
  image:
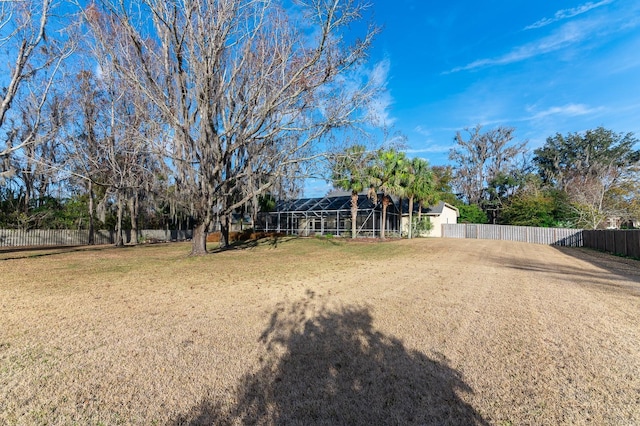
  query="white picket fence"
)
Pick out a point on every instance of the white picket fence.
point(526, 234)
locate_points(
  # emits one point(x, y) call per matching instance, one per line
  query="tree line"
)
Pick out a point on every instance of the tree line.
point(584, 180)
point(180, 113)
point(579, 180)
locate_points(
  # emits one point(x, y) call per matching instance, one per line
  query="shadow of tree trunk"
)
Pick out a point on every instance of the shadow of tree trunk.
point(331, 367)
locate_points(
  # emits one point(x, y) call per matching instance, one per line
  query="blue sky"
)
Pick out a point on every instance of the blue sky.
point(541, 67)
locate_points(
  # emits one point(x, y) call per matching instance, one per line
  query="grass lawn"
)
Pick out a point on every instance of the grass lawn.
point(310, 331)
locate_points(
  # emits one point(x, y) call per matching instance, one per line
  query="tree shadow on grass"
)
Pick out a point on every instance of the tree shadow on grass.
point(621, 266)
point(276, 239)
point(331, 367)
point(20, 252)
point(623, 271)
point(236, 245)
point(272, 242)
point(610, 272)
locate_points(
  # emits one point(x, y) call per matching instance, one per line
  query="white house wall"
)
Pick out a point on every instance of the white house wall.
point(448, 216)
point(405, 225)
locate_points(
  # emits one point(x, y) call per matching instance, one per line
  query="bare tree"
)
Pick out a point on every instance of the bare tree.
point(598, 169)
point(111, 147)
point(33, 165)
point(132, 163)
point(590, 200)
point(85, 158)
point(604, 193)
point(483, 159)
point(31, 64)
point(245, 88)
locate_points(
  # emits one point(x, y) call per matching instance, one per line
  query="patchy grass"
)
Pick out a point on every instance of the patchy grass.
point(320, 331)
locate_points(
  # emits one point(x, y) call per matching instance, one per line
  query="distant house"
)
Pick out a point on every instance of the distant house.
point(613, 222)
point(441, 213)
point(617, 222)
point(330, 214)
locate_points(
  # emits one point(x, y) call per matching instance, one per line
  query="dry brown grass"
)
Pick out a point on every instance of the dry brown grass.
point(320, 332)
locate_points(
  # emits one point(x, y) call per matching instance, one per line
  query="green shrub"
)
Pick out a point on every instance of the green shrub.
point(324, 237)
point(472, 214)
point(421, 226)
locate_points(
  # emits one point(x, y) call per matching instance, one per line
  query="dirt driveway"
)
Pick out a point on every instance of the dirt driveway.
point(436, 331)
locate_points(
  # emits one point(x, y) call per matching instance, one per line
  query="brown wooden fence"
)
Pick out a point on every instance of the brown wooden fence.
point(525, 234)
point(616, 241)
point(70, 237)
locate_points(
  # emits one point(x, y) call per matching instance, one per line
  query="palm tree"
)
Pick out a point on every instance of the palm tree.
point(350, 172)
point(389, 174)
point(419, 187)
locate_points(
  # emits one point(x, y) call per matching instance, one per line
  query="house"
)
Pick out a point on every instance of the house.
point(441, 213)
point(330, 214)
point(617, 222)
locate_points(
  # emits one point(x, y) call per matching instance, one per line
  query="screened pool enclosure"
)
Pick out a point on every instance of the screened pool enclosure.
point(330, 215)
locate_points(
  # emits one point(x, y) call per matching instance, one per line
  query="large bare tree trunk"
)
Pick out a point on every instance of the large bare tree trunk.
point(27, 197)
point(254, 212)
point(119, 237)
point(133, 211)
point(92, 238)
point(199, 240)
point(354, 214)
point(224, 231)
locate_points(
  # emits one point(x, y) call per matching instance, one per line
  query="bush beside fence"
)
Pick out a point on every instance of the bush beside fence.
point(526, 234)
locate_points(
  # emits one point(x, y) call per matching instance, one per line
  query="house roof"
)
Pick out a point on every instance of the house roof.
point(435, 210)
point(330, 202)
point(337, 200)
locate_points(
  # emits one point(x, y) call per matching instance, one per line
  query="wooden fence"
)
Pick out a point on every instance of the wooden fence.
point(621, 242)
point(526, 234)
point(69, 237)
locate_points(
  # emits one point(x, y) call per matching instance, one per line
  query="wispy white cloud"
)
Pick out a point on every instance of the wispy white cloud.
point(429, 149)
point(570, 35)
point(422, 131)
point(567, 14)
point(396, 140)
point(380, 72)
point(566, 36)
point(99, 72)
point(380, 106)
point(569, 110)
point(374, 108)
